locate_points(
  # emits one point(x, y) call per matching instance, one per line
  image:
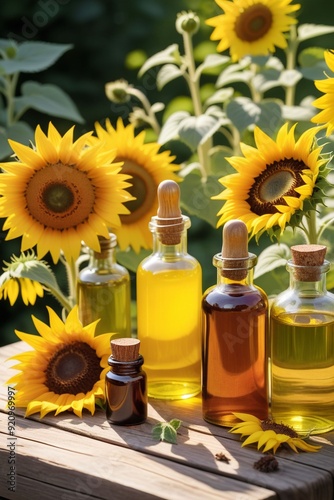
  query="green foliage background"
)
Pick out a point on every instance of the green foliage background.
point(110, 40)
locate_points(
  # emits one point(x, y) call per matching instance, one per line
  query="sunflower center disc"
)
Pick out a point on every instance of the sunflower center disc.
point(60, 196)
point(270, 425)
point(143, 188)
point(253, 23)
point(279, 179)
point(73, 369)
point(276, 186)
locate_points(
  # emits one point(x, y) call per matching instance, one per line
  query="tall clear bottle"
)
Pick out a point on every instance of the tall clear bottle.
point(169, 290)
point(302, 345)
point(103, 291)
point(235, 317)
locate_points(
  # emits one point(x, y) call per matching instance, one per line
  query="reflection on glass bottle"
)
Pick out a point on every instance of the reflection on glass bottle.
point(103, 291)
point(302, 345)
point(234, 335)
point(169, 290)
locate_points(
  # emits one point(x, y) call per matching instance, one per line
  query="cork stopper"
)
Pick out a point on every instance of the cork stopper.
point(105, 245)
point(308, 258)
point(169, 217)
point(235, 247)
point(125, 349)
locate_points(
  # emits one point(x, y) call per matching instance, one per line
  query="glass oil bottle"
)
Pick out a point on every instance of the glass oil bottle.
point(302, 345)
point(126, 387)
point(169, 290)
point(103, 291)
point(235, 318)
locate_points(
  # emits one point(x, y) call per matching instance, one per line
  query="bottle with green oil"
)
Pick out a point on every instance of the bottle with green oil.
point(235, 323)
point(169, 290)
point(302, 345)
point(103, 291)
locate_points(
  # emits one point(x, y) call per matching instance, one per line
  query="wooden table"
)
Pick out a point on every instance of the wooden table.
point(68, 458)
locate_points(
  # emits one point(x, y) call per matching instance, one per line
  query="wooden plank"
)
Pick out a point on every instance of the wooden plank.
point(303, 475)
point(58, 462)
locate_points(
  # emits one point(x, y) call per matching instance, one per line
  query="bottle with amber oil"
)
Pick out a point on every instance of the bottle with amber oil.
point(103, 291)
point(302, 345)
point(235, 317)
point(169, 291)
point(126, 388)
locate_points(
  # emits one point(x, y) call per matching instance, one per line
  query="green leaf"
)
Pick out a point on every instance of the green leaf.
point(243, 112)
point(196, 197)
point(169, 130)
point(298, 113)
point(168, 73)
point(20, 132)
point(48, 99)
point(130, 259)
point(221, 96)
point(307, 31)
point(211, 61)
point(166, 431)
point(290, 78)
point(195, 130)
point(34, 56)
point(270, 258)
point(169, 55)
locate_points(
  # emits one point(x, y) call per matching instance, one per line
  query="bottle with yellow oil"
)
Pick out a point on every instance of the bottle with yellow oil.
point(302, 345)
point(169, 290)
point(103, 291)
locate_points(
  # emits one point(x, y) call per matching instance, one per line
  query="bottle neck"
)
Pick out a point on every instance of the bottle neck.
point(165, 250)
point(169, 236)
point(235, 271)
point(102, 260)
point(308, 280)
point(125, 367)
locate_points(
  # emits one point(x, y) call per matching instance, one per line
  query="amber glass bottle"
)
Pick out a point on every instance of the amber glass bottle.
point(302, 345)
point(169, 291)
point(126, 392)
point(103, 291)
point(235, 314)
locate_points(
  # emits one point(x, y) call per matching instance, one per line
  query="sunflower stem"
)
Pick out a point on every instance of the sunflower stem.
point(311, 231)
point(194, 88)
point(291, 54)
point(71, 272)
point(64, 302)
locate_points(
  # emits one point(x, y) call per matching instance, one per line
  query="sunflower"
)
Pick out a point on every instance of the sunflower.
point(273, 181)
point(61, 193)
point(66, 368)
point(252, 27)
point(11, 282)
point(147, 167)
point(326, 102)
point(269, 434)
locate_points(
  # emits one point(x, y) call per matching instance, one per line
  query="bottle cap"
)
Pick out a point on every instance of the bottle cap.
point(308, 258)
point(235, 250)
point(125, 349)
point(169, 218)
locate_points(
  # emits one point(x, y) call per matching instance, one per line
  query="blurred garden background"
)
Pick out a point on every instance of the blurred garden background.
point(110, 40)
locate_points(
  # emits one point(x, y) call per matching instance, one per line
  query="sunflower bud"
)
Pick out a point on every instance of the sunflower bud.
point(138, 117)
point(187, 22)
point(118, 91)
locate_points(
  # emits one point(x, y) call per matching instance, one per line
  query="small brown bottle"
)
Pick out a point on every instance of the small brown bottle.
point(234, 335)
point(126, 392)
